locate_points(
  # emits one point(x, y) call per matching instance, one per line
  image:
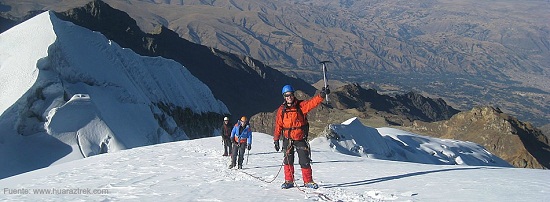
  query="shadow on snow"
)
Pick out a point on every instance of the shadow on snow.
point(382, 179)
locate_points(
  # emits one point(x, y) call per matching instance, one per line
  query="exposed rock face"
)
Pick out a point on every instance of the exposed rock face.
point(517, 142)
point(6, 23)
point(399, 110)
point(546, 130)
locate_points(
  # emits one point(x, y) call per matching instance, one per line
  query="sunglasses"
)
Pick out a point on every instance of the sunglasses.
point(288, 94)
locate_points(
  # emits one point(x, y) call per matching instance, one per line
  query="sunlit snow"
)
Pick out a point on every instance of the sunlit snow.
point(195, 170)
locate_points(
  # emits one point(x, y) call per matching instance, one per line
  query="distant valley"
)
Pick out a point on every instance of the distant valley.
point(462, 92)
point(468, 52)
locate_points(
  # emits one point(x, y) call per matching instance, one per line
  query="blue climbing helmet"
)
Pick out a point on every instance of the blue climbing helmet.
point(287, 88)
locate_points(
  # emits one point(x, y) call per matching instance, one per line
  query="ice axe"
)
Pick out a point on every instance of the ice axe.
point(325, 75)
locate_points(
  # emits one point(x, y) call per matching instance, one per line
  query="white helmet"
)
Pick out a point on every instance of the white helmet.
point(226, 118)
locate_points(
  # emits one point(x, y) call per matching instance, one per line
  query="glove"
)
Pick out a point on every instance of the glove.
point(325, 91)
point(276, 145)
point(249, 146)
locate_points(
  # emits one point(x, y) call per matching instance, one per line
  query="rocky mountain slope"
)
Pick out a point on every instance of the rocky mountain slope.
point(503, 135)
point(483, 52)
point(546, 130)
point(467, 52)
point(412, 106)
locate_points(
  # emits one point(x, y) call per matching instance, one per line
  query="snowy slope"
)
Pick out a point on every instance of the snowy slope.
point(353, 138)
point(194, 170)
point(67, 93)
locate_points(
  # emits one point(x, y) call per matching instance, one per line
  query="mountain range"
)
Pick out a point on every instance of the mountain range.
point(249, 87)
point(467, 52)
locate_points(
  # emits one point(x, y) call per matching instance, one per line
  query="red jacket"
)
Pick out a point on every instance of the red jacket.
point(292, 123)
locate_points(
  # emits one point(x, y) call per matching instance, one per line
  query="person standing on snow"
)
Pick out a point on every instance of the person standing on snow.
point(226, 136)
point(241, 135)
point(291, 122)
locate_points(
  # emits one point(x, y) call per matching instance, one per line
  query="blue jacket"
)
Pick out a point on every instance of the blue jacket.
point(244, 136)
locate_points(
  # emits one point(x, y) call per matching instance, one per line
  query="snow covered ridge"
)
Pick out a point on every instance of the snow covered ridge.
point(68, 93)
point(195, 170)
point(353, 138)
